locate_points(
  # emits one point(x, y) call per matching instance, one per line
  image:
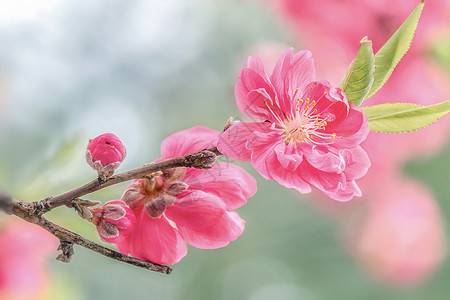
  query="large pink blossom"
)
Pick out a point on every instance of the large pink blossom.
point(184, 204)
point(310, 134)
point(23, 252)
point(113, 220)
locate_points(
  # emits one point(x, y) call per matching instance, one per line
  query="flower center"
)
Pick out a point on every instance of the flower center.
point(161, 189)
point(305, 123)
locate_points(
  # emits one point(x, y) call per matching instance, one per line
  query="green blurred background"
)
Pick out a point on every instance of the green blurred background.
point(70, 70)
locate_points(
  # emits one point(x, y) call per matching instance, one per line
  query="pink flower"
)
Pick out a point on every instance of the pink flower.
point(310, 134)
point(113, 220)
point(23, 251)
point(105, 154)
point(402, 240)
point(184, 204)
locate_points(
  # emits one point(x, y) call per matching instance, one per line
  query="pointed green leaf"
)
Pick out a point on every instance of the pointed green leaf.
point(359, 77)
point(404, 117)
point(392, 52)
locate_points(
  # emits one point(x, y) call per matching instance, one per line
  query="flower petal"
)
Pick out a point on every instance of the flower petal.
point(334, 185)
point(292, 72)
point(188, 141)
point(233, 142)
point(357, 162)
point(232, 184)
point(323, 158)
point(252, 92)
point(227, 228)
point(153, 240)
point(353, 129)
point(274, 161)
point(263, 156)
point(195, 210)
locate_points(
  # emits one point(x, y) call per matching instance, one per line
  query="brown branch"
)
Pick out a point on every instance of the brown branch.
point(67, 238)
point(32, 212)
point(201, 160)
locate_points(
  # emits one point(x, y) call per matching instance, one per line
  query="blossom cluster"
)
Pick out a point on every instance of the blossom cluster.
point(158, 214)
point(309, 135)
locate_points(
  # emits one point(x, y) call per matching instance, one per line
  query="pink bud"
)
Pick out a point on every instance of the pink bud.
point(113, 220)
point(105, 153)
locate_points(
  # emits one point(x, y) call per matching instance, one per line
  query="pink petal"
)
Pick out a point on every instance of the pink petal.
point(323, 158)
point(233, 142)
point(227, 228)
point(252, 92)
point(292, 72)
point(256, 65)
point(289, 156)
point(153, 240)
point(275, 161)
point(357, 162)
point(334, 185)
point(188, 141)
point(196, 210)
point(230, 183)
point(263, 156)
point(354, 129)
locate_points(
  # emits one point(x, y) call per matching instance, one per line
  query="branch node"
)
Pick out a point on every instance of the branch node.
point(66, 251)
point(201, 160)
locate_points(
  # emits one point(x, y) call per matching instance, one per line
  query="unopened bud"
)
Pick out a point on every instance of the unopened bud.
point(202, 160)
point(113, 220)
point(104, 154)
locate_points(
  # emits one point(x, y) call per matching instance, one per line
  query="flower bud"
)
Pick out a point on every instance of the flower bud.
point(104, 154)
point(113, 220)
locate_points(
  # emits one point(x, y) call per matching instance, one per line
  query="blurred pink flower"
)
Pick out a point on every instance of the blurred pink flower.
point(113, 220)
point(402, 240)
point(310, 134)
point(105, 154)
point(330, 24)
point(184, 204)
point(23, 252)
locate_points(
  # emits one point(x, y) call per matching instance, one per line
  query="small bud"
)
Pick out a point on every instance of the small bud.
point(104, 154)
point(113, 220)
point(229, 123)
point(202, 160)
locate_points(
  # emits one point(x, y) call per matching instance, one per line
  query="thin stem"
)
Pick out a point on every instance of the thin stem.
point(32, 212)
point(67, 237)
point(201, 160)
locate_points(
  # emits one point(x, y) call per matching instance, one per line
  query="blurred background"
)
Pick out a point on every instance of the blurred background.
point(71, 70)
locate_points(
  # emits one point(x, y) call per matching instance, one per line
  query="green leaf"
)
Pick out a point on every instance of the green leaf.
point(404, 117)
point(359, 77)
point(395, 48)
